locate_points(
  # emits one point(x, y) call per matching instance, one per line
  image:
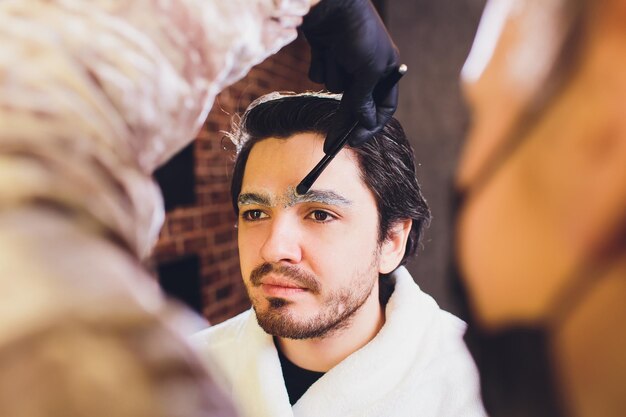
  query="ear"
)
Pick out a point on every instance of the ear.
point(392, 249)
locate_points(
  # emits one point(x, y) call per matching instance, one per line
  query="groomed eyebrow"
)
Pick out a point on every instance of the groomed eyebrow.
point(246, 199)
point(327, 197)
point(290, 198)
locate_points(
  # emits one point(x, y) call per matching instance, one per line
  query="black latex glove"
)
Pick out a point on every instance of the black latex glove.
point(351, 52)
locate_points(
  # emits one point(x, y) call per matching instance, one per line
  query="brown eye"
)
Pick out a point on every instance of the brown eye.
point(252, 215)
point(321, 216)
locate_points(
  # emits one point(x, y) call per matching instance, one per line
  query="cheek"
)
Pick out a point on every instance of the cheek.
point(341, 252)
point(248, 244)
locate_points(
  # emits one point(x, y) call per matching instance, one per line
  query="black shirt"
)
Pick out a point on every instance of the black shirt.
point(297, 380)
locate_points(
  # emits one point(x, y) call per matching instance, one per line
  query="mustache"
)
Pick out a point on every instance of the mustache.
point(295, 274)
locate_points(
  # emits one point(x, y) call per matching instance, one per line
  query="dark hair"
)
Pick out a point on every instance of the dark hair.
point(386, 161)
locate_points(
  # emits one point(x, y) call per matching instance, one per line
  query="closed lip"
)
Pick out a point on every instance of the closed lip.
point(281, 282)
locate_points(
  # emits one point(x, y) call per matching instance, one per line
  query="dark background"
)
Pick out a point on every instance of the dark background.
point(434, 38)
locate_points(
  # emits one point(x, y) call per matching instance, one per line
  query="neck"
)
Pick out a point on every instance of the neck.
point(589, 350)
point(322, 354)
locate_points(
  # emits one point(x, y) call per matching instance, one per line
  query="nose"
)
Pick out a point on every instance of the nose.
point(282, 242)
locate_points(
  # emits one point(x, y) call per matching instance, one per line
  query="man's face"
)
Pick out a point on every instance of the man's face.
point(308, 262)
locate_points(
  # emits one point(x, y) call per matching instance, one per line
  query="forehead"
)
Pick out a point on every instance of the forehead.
point(276, 166)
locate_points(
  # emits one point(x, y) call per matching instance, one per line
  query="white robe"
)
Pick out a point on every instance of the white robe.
point(417, 365)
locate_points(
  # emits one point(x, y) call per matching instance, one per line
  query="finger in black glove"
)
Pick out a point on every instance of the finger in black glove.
point(351, 52)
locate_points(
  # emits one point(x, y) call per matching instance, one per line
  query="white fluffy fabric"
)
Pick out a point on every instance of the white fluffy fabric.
point(417, 365)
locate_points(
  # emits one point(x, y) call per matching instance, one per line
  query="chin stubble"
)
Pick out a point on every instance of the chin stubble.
point(334, 316)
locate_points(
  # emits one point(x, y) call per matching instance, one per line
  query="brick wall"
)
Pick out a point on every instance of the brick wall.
point(206, 229)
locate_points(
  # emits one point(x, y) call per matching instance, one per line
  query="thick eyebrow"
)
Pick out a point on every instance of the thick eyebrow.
point(254, 199)
point(328, 197)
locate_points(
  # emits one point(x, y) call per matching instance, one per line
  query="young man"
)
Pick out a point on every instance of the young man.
point(338, 327)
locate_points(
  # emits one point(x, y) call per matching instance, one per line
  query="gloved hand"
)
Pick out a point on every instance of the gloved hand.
point(351, 52)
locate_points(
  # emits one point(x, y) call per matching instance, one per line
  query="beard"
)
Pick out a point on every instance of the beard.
point(335, 314)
